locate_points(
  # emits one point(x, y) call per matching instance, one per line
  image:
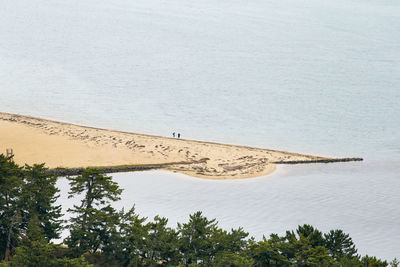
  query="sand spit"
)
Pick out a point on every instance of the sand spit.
point(64, 145)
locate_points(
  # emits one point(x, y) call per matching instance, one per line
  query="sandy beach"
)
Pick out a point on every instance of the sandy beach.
point(65, 145)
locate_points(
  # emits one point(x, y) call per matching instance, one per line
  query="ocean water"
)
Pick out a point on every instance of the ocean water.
point(309, 76)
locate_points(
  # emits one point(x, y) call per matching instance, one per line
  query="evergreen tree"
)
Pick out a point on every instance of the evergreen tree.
point(162, 242)
point(29, 219)
point(11, 179)
point(132, 239)
point(308, 255)
point(314, 236)
point(233, 241)
point(94, 217)
point(283, 246)
point(39, 195)
point(230, 259)
point(368, 261)
point(395, 263)
point(195, 238)
point(36, 251)
point(350, 262)
point(265, 253)
point(315, 257)
point(340, 244)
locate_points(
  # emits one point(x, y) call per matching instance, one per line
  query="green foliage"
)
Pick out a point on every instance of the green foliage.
point(350, 262)
point(200, 241)
point(26, 193)
point(234, 241)
point(75, 262)
point(162, 242)
point(11, 179)
point(99, 189)
point(373, 262)
point(39, 195)
point(265, 253)
point(99, 234)
point(314, 257)
point(41, 253)
point(131, 239)
point(95, 218)
point(313, 235)
point(230, 259)
point(36, 251)
point(195, 239)
point(395, 263)
point(340, 244)
point(306, 247)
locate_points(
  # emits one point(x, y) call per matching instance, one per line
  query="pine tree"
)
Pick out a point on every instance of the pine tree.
point(39, 195)
point(94, 217)
point(340, 244)
point(196, 239)
point(162, 242)
point(133, 237)
point(36, 251)
point(314, 235)
point(11, 179)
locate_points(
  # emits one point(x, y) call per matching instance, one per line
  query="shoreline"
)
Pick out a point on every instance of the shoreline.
point(69, 146)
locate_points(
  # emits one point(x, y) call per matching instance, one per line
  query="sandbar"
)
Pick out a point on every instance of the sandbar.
point(65, 145)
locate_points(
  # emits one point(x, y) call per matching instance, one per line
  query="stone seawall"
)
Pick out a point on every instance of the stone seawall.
point(319, 161)
point(78, 171)
point(132, 168)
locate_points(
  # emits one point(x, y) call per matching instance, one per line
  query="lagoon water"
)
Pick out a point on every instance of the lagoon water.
point(310, 76)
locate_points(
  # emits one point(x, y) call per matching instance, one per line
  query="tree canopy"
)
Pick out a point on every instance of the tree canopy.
point(99, 235)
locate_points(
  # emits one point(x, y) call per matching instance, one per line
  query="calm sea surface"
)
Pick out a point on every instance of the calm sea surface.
point(311, 76)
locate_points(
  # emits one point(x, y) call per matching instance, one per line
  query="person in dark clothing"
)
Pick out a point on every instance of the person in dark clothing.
point(179, 135)
point(173, 134)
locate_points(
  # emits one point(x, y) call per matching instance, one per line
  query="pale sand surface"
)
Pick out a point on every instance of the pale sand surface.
point(58, 144)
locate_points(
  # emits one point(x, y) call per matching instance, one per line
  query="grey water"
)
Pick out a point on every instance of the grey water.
point(309, 76)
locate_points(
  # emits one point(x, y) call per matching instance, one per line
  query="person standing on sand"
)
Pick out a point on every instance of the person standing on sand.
point(179, 135)
point(173, 134)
